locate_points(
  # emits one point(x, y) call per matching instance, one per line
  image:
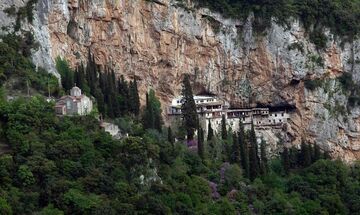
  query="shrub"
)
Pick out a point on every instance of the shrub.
point(312, 84)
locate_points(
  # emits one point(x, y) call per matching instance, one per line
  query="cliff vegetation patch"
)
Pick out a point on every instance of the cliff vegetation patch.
point(340, 16)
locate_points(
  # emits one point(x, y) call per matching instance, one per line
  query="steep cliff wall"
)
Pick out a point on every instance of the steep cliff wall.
point(158, 41)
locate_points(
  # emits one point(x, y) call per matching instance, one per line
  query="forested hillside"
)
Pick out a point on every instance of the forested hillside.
point(69, 166)
point(57, 165)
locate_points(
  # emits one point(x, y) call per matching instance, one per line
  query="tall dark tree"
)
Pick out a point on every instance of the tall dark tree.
point(263, 158)
point(253, 154)
point(244, 152)
point(286, 160)
point(100, 101)
point(134, 100)
point(67, 75)
point(223, 127)
point(123, 95)
point(201, 148)
point(317, 153)
point(152, 113)
point(170, 136)
point(235, 155)
point(294, 157)
point(305, 155)
point(148, 117)
point(210, 133)
point(188, 108)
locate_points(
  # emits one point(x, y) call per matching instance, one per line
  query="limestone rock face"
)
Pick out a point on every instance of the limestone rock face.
point(159, 41)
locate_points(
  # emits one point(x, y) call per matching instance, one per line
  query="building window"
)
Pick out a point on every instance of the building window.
point(279, 120)
point(275, 115)
point(68, 105)
point(282, 114)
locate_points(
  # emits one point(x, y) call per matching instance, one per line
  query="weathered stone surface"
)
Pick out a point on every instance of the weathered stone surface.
point(159, 41)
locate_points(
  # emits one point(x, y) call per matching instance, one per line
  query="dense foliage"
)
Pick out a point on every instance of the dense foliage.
point(340, 16)
point(17, 69)
point(69, 166)
point(188, 108)
point(115, 97)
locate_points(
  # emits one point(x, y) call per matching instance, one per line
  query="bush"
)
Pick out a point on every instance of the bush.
point(312, 84)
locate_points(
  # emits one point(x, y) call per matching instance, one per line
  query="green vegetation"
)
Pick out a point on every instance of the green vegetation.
point(17, 70)
point(114, 97)
point(188, 109)
point(340, 16)
point(152, 113)
point(296, 46)
point(70, 166)
point(215, 25)
point(314, 61)
point(25, 12)
point(312, 84)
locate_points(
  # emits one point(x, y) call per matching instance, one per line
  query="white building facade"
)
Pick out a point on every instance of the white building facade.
point(74, 104)
point(211, 109)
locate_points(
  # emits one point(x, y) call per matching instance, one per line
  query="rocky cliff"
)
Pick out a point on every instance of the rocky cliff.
point(160, 40)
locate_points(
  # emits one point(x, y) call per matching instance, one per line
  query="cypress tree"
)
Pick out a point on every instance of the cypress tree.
point(210, 132)
point(148, 118)
point(244, 154)
point(134, 100)
point(152, 114)
point(305, 155)
point(317, 153)
point(253, 154)
point(188, 108)
point(109, 107)
point(235, 156)
point(263, 158)
point(201, 150)
point(100, 102)
point(67, 75)
point(80, 79)
point(286, 160)
point(123, 98)
point(92, 72)
point(294, 156)
point(223, 127)
point(170, 136)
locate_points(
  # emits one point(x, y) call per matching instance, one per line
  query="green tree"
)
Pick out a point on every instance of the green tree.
point(201, 148)
point(152, 114)
point(123, 95)
point(244, 152)
point(5, 208)
point(188, 108)
point(263, 158)
point(170, 136)
point(235, 156)
point(134, 100)
point(305, 155)
point(67, 75)
point(223, 127)
point(286, 160)
point(25, 176)
point(317, 153)
point(253, 154)
point(210, 133)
